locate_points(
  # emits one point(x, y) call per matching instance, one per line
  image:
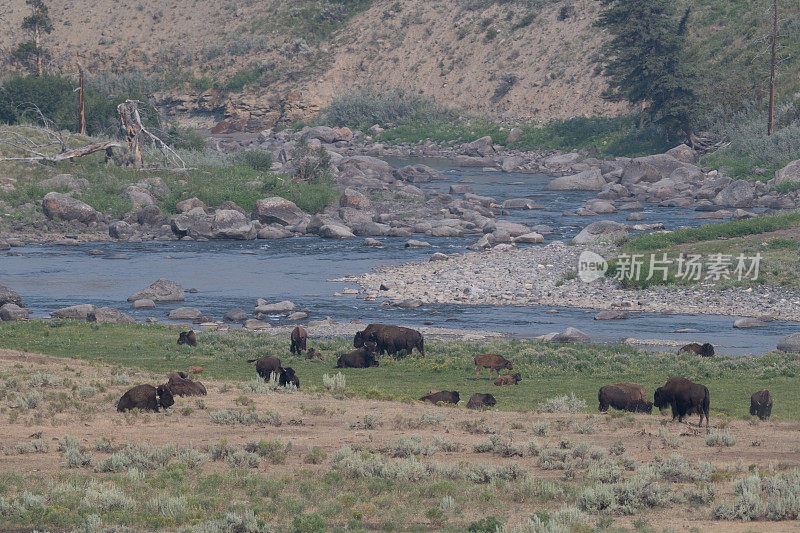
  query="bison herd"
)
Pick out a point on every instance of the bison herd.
point(681, 395)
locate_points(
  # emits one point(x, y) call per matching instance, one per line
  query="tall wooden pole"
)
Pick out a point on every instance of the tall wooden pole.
point(772, 69)
point(81, 107)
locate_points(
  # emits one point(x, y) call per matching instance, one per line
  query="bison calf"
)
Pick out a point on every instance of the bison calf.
point(625, 397)
point(287, 376)
point(508, 379)
point(444, 396)
point(187, 337)
point(761, 404)
point(146, 397)
point(478, 401)
point(703, 350)
point(298, 341)
point(361, 358)
point(313, 354)
point(180, 385)
point(492, 362)
point(685, 398)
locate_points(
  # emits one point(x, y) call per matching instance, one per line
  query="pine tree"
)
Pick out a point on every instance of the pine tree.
point(647, 61)
point(31, 53)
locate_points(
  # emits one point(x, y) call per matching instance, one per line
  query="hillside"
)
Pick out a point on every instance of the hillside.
point(278, 62)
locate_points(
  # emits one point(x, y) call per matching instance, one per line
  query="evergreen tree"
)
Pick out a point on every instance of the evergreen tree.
point(31, 53)
point(647, 61)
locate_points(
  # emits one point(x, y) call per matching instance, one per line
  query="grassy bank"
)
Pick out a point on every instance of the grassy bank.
point(547, 370)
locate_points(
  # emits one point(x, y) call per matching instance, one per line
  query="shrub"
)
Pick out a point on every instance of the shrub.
point(309, 523)
point(541, 428)
point(274, 450)
point(563, 404)
point(363, 109)
point(245, 417)
point(315, 456)
point(311, 164)
point(260, 160)
point(490, 524)
point(184, 138)
point(335, 383)
point(105, 499)
point(720, 438)
point(767, 498)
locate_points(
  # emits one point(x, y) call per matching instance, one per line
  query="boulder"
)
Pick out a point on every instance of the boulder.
point(138, 196)
point(748, 322)
point(371, 229)
point(588, 180)
point(514, 229)
point(571, 336)
point(368, 165)
point(417, 174)
point(513, 136)
point(684, 153)
point(297, 315)
point(8, 295)
point(542, 229)
point(64, 207)
point(417, 244)
point(144, 303)
point(335, 231)
point(511, 163)
point(790, 344)
point(369, 241)
point(120, 230)
point(185, 313)
point(255, 325)
point(482, 147)
point(150, 215)
point(156, 186)
point(223, 224)
point(184, 206)
point(636, 217)
point(108, 315)
point(231, 206)
point(651, 168)
point(162, 290)
point(64, 180)
point(561, 160)
point(12, 313)
point(409, 304)
point(273, 232)
point(74, 312)
point(284, 307)
point(602, 230)
point(601, 207)
point(327, 135)
point(235, 315)
point(788, 174)
point(277, 210)
point(460, 188)
point(740, 193)
point(354, 199)
point(521, 203)
point(439, 256)
point(530, 238)
point(611, 314)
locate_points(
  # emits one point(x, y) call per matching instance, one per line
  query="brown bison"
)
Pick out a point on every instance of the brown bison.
point(361, 358)
point(146, 397)
point(266, 365)
point(313, 354)
point(478, 401)
point(298, 338)
point(625, 397)
point(180, 385)
point(492, 362)
point(761, 404)
point(287, 376)
point(444, 396)
point(187, 337)
point(703, 350)
point(391, 339)
point(196, 370)
point(685, 398)
point(508, 379)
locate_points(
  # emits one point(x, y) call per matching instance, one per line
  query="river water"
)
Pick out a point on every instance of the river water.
point(231, 274)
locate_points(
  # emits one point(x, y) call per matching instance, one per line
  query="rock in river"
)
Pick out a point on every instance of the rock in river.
point(162, 290)
point(790, 344)
point(602, 230)
point(185, 313)
point(10, 296)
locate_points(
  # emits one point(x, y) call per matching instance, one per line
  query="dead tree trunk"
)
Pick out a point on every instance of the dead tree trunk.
point(772, 69)
point(81, 105)
point(132, 126)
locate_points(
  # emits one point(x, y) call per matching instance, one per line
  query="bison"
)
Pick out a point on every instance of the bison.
point(146, 397)
point(508, 379)
point(287, 376)
point(761, 404)
point(361, 358)
point(196, 370)
point(444, 396)
point(685, 398)
point(492, 362)
point(187, 337)
point(391, 339)
point(313, 354)
point(703, 350)
point(478, 401)
point(180, 385)
point(298, 338)
point(266, 365)
point(625, 397)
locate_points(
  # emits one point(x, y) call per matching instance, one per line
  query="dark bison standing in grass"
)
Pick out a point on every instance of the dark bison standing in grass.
point(187, 337)
point(625, 397)
point(298, 341)
point(685, 398)
point(266, 365)
point(391, 339)
point(287, 376)
point(761, 404)
point(180, 385)
point(146, 397)
point(703, 350)
point(444, 396)
point(478, 401)
point(361, 358)
point(492, 362)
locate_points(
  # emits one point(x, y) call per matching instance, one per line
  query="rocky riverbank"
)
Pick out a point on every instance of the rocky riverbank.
point(545, 275)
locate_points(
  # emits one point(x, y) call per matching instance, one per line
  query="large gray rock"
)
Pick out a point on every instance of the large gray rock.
point(460, 188)
point(255, 325)
point(417, 174)
point(185, 313)
point(156, 186)
point(371, 229)
point(12, 313)
point(8, 295)
point(368, 165)
point(530, 238)
point(150, 215)
point(64, 180)
point(144, 303)
point(277, 210)
point(184, 206)
point(108, 315)
point(354, 199)
point(274, 232)
point(417, 244)
point(684, 153)
point(740, 193)
point(482, 147)
point(588, 180)
point(162, 290)
point(235, 315)
point(561, 160)
point(571, 336)
point(64, 207)
point(138, 196)
point(611, 314)
point(74, 312)
point(790, 344)
point(327, 135)
point(335, 231)
point(788, 174)
point(119, 229)
point(749, 322)
point(263, 307)
point(223, 224)
point(521, 203)
point(602, 230)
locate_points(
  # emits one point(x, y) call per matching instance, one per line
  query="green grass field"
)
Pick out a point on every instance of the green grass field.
point(547, 370)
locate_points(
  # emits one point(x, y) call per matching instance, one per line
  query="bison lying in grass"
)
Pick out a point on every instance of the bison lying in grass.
point(761, 404)
point(444, 396)
point(391, 339)
point(187, 337)
point(479, 401)
point(180, 385)
point(685, 398)
point(508, 379)
point(147, 398)
point(703, 350)
point(625, 397)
